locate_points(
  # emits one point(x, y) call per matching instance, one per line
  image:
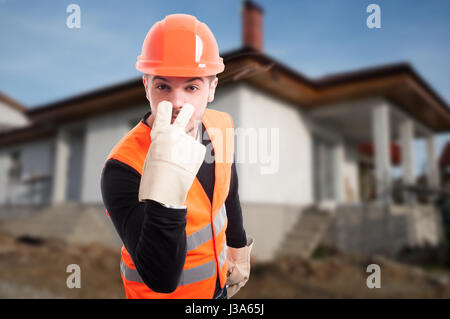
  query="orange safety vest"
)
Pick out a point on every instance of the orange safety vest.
point(206, 223)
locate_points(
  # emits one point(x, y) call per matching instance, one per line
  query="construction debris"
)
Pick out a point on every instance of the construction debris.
point(39, 271)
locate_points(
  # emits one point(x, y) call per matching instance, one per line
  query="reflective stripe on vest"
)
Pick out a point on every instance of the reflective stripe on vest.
point(188, 276)
point(201, 236)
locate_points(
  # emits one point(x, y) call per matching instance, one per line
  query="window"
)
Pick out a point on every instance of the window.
point(15, 168)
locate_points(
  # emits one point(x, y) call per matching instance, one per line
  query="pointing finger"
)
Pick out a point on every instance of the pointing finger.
point(163, 115)
point(184, 116)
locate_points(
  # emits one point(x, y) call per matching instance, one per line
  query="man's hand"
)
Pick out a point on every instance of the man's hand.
point(173, 158)
point(238, 260)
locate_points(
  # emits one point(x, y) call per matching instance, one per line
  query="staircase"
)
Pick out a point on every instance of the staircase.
point(70, 222)
point(306, 234)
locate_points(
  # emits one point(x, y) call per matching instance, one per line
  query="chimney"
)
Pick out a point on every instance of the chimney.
point(252, 28)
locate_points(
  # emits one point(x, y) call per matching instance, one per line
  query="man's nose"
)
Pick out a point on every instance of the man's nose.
point(176, 109)
point(177, 101)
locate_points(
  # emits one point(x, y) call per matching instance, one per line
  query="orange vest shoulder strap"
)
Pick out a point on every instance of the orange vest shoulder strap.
point(220, 129)
point(219, 119)
point(220, 124)
point(132, 148)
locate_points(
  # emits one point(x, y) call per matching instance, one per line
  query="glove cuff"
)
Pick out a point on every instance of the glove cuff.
point(238, 255)
point(167, 183)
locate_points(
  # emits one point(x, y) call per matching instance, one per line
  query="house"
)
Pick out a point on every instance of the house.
point(337, 137)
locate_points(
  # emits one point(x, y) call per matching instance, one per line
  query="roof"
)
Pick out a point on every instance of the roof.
point(399, 83)
point(12, 103)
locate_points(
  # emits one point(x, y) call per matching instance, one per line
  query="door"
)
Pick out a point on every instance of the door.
point(324, 170)
point(75, 167)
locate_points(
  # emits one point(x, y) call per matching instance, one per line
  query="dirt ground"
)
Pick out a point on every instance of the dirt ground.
point(343, 276)
point(35, 268)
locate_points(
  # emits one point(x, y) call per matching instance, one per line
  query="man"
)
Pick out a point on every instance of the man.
point(177, 211)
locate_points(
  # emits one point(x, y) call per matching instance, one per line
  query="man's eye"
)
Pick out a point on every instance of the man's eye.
point(192, 88)
point(162, 87)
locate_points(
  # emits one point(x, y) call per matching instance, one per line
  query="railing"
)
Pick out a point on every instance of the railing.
point(35, 190)
point(421, 193)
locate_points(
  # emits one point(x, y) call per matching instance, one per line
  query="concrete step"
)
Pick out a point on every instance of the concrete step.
point(295, 246)
point(307, 236)
point(294, 252)
point(310, 226)
point(306, 233)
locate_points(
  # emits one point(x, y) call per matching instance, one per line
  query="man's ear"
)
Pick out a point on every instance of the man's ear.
point(212, 89)
point(144, 80)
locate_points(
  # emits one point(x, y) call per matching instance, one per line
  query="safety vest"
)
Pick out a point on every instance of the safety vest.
point(206, 223)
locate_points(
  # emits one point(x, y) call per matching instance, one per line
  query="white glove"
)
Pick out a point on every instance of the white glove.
point(173, 158)
point(238, 260)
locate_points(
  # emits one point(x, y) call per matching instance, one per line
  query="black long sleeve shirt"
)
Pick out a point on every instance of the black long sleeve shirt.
point(155, 235)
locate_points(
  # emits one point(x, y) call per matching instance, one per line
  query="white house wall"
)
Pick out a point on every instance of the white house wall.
point(11, 117)
point(102, 133)
point(228, 99)
point(290, 182)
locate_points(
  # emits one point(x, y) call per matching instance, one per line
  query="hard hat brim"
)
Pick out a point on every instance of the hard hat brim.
point(200, 70)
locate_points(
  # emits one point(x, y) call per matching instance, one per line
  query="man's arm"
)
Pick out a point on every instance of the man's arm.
point(239, 245)
point(154, 235)
point(235, 231)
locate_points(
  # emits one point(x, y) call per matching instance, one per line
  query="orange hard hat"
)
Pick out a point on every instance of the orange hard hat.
point(180, 45)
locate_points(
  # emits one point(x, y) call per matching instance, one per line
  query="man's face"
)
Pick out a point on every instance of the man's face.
point(197, 91)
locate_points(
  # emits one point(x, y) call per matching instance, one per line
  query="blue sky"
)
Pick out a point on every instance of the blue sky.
point(41, 60)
